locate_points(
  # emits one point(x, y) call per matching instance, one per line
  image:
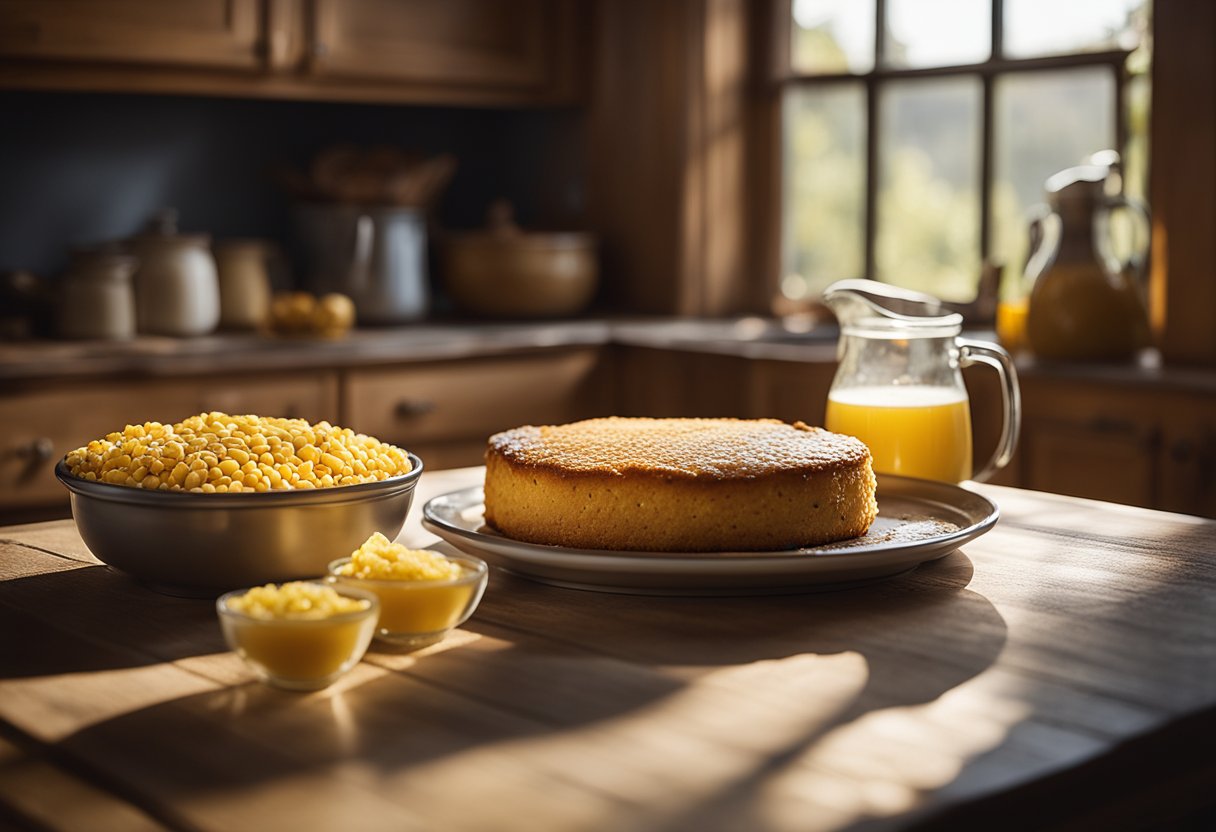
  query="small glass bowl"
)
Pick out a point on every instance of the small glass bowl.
point(414, 614)
point(300, 653)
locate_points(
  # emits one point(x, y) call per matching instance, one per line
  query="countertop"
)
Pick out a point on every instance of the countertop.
point(1057, 672)
point(746, 337)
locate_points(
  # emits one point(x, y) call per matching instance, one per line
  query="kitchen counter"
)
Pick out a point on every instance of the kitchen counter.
point(1056, 672)
point(749, 337)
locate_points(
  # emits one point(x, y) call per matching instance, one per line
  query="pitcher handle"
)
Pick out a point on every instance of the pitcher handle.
point(982, 352)
point(1137, 262)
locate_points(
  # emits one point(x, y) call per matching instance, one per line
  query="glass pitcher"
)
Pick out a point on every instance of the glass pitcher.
point(899, 388)
point(1086, 303)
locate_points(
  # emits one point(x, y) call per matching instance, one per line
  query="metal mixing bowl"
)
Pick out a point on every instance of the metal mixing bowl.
point(204, 544)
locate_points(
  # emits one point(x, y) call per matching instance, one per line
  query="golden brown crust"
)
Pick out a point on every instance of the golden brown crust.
point(678, 485)
point(727, 449)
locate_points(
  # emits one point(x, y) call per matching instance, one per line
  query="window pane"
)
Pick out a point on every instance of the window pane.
point(1049, 27)
point(829, 36)
point(937, 32)
point(928, 186)
point(1043, 122)
point(824, 216)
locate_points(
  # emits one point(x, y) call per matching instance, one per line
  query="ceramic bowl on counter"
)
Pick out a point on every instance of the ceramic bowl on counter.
point(417, 613)
point(300, 652)
point(505, 272)
point(202, 545)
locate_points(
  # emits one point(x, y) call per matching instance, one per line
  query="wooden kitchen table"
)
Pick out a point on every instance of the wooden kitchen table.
point(1058, 671)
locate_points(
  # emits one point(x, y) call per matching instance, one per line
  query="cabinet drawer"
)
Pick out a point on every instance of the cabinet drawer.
point(484, 42)
point(462, 402)
point(37, 427)
point(1115, 462)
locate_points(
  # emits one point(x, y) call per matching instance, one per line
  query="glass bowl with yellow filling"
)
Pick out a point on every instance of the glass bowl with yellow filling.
point(423, 594)
point(300, 635)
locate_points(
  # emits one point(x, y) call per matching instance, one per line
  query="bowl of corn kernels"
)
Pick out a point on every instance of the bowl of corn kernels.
point(216, 501)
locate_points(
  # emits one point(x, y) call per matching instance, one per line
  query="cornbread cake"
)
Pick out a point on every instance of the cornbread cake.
point(693, 485)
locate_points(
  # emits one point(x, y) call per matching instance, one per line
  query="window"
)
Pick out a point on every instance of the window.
point(917, 134)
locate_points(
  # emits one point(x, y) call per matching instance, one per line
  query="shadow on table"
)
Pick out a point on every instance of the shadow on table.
point(541, 663)
point(125, 624)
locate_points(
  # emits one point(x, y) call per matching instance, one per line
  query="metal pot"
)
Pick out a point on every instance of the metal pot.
point(504, 272)
point(376, 255)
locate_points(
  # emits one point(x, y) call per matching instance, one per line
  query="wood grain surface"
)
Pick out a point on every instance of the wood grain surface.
point(1058, 672)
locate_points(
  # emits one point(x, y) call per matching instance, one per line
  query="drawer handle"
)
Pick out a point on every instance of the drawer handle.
point(36, 450)
point(413, 408)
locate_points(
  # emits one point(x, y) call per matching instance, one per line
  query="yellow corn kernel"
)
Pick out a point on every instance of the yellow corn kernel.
point(215, 449)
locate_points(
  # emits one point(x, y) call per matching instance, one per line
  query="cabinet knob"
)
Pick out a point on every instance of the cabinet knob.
point(1183, 450)
point(319, 50)
point(36, 450)
point(413, 408)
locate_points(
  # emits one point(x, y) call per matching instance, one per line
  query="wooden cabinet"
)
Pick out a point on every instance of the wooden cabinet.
point(480, 42)
point(444, 411)
point(663, 382)
point(1150, 442)
point(426, 51)
point(38, 426)
point(1124, 443)
point(208, 33)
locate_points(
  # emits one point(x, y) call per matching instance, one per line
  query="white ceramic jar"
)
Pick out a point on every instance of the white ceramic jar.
point(244, 277)
point(96, 299)
point(176, 287)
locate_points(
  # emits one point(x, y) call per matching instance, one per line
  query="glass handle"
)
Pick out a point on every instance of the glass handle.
point(982, 352)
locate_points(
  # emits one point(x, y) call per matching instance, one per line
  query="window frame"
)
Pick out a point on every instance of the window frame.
point(781, 78)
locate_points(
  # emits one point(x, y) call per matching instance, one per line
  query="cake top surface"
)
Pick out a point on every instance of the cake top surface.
point(711, 448)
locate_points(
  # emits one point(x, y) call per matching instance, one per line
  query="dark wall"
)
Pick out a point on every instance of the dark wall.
point(85, 168)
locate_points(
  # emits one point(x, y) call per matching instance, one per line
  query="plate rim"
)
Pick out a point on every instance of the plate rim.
point(772, 558)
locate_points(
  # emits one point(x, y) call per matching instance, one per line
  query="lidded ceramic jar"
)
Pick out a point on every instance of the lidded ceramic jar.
point(176, 287)
point(244, 280)
point(97, 299)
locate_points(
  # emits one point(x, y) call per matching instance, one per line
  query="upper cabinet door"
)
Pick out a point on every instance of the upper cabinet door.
point(455, 42)
point(205, 33)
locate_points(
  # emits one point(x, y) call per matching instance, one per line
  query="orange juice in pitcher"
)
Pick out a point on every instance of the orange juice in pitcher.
point(899, 389)
point(915, 430)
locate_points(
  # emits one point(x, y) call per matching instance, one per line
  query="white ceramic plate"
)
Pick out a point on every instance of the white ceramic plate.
point(918, 521)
